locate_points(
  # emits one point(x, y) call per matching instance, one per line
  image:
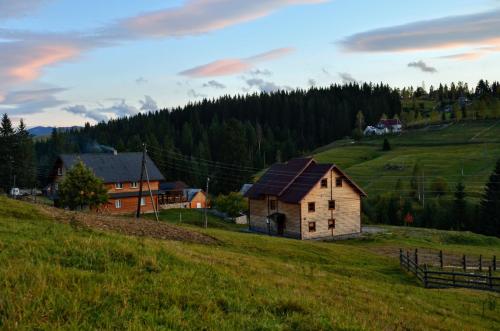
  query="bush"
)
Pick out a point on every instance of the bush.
point(232, 204)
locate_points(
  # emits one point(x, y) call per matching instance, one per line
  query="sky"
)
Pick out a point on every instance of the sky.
point(64, 62)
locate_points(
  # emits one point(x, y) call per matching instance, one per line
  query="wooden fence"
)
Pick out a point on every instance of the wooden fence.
point(432, 278)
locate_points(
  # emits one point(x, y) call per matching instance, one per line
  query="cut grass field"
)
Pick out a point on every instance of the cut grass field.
point(57, 276)
point(443, 151)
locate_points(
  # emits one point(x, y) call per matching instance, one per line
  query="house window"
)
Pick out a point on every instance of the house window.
point(324, 183)
point(134, 185)
point(331, 224)
point(118, 204)
point(338, 182)
point(331, 204)
point(143, 201)
point(312, 226)
point(59, 172)
point(272, 204)
point(311, 207)
point(118, 186)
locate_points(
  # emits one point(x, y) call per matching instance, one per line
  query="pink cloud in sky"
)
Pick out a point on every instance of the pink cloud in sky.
point(28, 66)
point(200, 16)
point(477, 30)
point(227, 67)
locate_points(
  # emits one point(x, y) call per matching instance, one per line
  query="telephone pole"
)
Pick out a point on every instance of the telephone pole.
point(143, 164)
point(206, 204)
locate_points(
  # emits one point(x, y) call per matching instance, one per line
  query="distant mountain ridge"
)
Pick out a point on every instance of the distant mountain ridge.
point(40, 131)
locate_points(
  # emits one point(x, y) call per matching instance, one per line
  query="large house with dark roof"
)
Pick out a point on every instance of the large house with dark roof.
point(305, 200)
point(121, 175)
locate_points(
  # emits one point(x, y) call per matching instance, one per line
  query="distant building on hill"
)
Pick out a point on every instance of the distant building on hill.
point(305, 200)
point(384, 127)
point(121, 176)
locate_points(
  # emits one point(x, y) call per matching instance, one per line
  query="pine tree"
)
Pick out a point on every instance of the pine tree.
point(386, 146)
point(490, 205)
point(24, 158)
point(7, 144)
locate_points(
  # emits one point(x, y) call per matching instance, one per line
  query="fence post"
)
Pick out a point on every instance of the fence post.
point(425, 275)
point(416, 256)
point(408, 260)
point(490, 278)
point(464, 263)
point(494, 263)
point(453, 277)
point(441, 259)
point(480, 263)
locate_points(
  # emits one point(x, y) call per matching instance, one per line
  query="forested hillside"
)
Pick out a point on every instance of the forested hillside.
point(247, 132)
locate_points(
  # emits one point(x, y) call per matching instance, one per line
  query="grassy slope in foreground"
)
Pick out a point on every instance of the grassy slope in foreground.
point(473, 146)
point(56, 276)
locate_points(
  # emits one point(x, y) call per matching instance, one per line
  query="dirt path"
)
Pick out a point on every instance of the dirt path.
point(127, 226)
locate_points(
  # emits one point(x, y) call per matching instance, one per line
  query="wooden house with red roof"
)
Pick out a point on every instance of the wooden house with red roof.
point(305, 200)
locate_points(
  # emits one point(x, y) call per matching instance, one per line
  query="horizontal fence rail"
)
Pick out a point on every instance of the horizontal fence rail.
point(469, 277)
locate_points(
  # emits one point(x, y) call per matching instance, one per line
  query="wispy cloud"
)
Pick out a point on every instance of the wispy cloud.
point(422, 66)
point(119, 109)
point(214, 84)
point(25, 54)
point(17, 8)
point(148, 104)
point(226, 67)
point(197, 17)
point(347, 78)
point(265, 86)
point(194, 94)
point(141, 80)
point(30, 101)
point(436, 34)
point(260, 72)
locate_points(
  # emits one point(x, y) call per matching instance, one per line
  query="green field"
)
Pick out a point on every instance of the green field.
point(58, 276)
point(443, 151)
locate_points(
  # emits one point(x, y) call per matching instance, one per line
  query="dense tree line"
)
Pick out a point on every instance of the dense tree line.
point(17, 156)
point(442, 209)
point(244, 133)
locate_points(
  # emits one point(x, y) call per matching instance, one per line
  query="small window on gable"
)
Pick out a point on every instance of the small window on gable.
point(143, 201)
point(118, 204)
point(134, 185)
point(311, 207)
point(59, 171)
point(331, 204)
point(331, 224)
point(338, 182)
point(272, 204)
point(118, 186)
point(324, 183)
point(312, 226)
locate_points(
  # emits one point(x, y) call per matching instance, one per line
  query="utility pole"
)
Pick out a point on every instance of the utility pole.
point(151, 194)
point(206, 204)
point(138, 214)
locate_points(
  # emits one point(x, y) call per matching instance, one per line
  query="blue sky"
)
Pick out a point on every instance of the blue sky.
point(66, 63)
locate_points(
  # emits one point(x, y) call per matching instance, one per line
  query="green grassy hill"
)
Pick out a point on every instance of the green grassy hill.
point(443, 151)
point(58, 276)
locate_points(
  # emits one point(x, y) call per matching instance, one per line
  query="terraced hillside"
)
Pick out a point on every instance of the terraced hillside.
point(57, 274)
point(464, 151)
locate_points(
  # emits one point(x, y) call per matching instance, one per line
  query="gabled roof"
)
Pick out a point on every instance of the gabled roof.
point(292, 181)
point(174, 186)
point(191, 193)
point(111, 168)
point(244, 189)
point(278, 178)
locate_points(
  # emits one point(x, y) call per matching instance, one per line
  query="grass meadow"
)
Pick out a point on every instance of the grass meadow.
point(57, 276)
point(465, 151)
